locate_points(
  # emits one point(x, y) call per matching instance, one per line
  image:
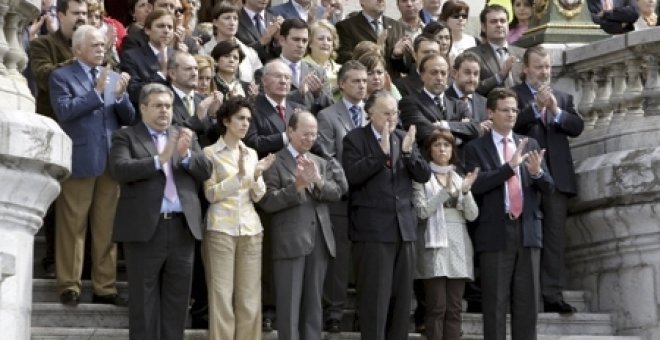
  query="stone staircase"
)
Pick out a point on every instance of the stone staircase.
point(52, 320)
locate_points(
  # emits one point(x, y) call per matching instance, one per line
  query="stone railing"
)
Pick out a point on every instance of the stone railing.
point(35, 155)
point(614, 225)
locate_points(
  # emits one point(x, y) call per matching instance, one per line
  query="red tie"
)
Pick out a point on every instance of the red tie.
point(512, 184)
point(280, 111)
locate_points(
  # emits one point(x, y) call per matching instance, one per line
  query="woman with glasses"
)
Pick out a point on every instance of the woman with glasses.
point(444, 250)
point(455, 13)
point(522, 12)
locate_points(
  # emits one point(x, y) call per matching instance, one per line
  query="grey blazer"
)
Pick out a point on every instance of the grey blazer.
point(294, 215)
point(334, 123)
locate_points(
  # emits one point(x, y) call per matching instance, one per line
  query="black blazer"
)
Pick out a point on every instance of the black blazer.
point(488, 191)
point(620, 20)
point(478, 113)
point(380, 198)
point(354, 29)
point(411, 83)
point(489, 66)
point(131, 163)
point(266, 128)
point(142, 65)
point(552, 136)
point(247, 34)
point(421, 110)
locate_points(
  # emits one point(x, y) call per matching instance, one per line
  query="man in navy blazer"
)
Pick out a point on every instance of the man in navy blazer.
point(509, 234)
point(90, 102)
point(614, 16)
point(380, 164)
point(299, 9)
point(549, 116)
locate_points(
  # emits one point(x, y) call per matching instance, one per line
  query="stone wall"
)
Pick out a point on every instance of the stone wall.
point(35, 155)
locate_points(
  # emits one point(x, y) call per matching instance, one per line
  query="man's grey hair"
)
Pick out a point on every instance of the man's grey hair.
point(81, 33)
point(173, 59)
point(154, 88)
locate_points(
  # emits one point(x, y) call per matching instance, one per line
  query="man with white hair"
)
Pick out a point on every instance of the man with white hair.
point(90, 102)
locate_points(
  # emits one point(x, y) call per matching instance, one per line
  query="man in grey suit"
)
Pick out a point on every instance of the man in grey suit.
point(299, 185)
point(160, 170)
point(334, 123)
point(497, 58)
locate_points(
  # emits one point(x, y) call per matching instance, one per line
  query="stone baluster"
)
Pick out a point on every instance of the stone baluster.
point(15, 54)
point(617, 99)
point(651, 91)
point(585, 107)
point(4, 47)
point(633, 94)
point(602, 103)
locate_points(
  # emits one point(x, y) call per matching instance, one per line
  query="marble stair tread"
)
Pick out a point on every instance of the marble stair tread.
point(45, 290)
point(39, 333)
point(107, 316)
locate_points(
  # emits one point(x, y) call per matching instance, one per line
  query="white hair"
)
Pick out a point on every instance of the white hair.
point(81, 33)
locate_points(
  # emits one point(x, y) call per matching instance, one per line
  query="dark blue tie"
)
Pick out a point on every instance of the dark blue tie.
point(355, 115)
point(258, 24)
point(93, 72)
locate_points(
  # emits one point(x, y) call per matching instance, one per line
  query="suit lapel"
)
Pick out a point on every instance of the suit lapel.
point(491, 150)
point(82, 77)
point(269, 112)
point(431, 107)
point(180, 113)
point(248, 24)
point(489, 58)
point(146, 139)
point(363, 25)
point(288, 162)
point(344, 116)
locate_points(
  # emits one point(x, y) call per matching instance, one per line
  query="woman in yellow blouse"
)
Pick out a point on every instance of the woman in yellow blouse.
point(231, 249)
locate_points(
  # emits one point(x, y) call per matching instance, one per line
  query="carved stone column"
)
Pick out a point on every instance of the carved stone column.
point(35, 154)
point(651, 91)
point(617, 99)
point(585, 106)
point(633, 94)
point(602, 103)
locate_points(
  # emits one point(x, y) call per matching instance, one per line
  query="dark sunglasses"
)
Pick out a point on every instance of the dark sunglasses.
point(179, 11)
point(460, 16)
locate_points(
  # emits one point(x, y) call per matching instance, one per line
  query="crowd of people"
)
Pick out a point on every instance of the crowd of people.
point(253, 168)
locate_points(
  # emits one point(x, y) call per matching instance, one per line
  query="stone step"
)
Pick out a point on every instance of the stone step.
point(45, 290)
point(106, 316)
point(39, 333)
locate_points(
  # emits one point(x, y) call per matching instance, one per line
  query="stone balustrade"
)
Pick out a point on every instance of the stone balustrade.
point(613, 245)
point(35, 155)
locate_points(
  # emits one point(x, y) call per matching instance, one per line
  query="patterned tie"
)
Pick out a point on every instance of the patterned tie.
point(438, 103)
point(356, 115)
point(513, 183)
point(281, 111)
point(258, 24)
point(170, 187)
point(188, 102)
point(376, 24)
point(94, 72)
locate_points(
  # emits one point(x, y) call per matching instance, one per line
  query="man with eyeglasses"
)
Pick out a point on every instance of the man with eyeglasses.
point(508, 235)
point(139, 38)
point(497, 58)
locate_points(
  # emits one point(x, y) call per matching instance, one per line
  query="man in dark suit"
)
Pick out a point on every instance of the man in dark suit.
point(549, 116)
point(158, 217)
point(380, 164)
point(465, 74)
point(309, 84)
point(90, 103)
point(430, 109)
point(430, 10)
point(140, 38)
point(299, 9)
point(614, 16)
point(148, 64)
point(258, 27)
point(267, 131)
point(509, 232)
point(299, 187)
point(424, 44)
point(47, 53)
point(497, 58)
point(368, 25)
point(335, 122)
